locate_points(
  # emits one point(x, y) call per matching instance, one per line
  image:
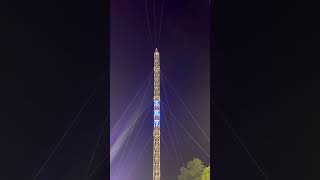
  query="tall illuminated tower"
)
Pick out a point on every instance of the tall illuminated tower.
point(156, 116)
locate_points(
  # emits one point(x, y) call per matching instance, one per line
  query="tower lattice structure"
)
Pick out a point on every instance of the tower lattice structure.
point(156, 116)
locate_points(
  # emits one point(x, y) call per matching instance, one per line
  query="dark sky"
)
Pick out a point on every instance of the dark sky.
point(53, 54)
point(265, 81)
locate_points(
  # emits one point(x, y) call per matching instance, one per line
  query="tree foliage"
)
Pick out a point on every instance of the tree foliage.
point(193, 171)
point(206, 173)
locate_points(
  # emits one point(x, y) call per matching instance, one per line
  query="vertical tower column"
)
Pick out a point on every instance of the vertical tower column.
point(156, 116)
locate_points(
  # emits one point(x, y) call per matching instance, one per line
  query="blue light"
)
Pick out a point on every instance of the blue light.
point(156, 123)
point(156, 113)
point(156, 102)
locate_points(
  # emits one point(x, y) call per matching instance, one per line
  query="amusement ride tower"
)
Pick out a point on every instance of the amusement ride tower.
point(156, 116)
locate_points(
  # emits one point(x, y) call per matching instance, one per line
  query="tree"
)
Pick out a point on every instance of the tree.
point(193, 171)
point(206, 173)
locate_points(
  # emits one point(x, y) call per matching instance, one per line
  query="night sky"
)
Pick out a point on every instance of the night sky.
point(266, 84)
point(53, 55)
point(185, 60)
point(264, 81)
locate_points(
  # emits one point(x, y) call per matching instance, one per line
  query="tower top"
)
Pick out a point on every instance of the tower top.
point(156, 50)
